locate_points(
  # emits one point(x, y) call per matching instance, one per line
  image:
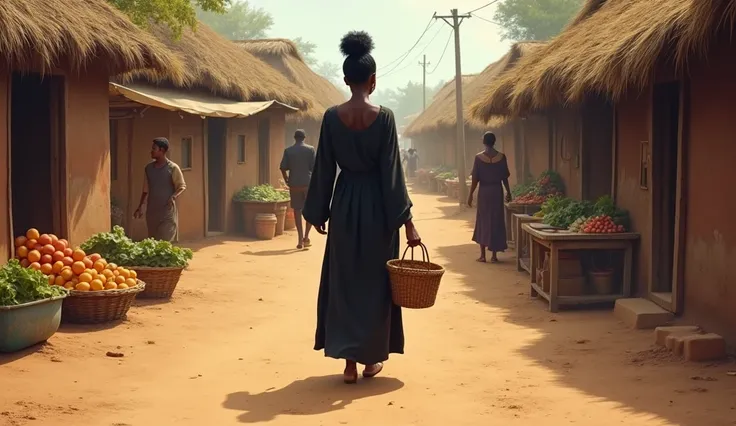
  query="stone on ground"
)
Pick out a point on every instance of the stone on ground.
point(661, 333)
point(641, 313)
point(704, 347)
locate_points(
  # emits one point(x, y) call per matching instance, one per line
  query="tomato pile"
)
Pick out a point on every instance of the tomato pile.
point(530, 199)
point(601, 225)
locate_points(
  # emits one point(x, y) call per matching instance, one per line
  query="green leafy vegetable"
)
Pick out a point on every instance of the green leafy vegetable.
point(20, 285)
point(263, 193)
point(116, 247)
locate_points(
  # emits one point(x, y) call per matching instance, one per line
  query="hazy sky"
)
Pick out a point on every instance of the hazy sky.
point(395, 26)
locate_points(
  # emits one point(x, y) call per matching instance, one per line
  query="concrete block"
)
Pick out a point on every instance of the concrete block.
point(641, 313)
point(676, 343)
point(704, 347)
point(661, 333)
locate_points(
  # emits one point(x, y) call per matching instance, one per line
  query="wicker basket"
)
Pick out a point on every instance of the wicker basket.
point(414, 283)
point(160, 282)
point(95, 307)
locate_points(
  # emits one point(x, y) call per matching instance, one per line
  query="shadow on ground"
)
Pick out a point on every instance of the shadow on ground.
point(592, 352)
point(307, 397)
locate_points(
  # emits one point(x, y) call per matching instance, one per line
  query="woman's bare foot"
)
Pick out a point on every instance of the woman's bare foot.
point(307, 243)
point(372, 370)
point(350, 375)
point(481, 260)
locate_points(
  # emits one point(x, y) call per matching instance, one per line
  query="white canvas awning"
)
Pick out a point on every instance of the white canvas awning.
point(193, 103)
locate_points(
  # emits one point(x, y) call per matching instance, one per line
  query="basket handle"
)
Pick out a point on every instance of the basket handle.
point(425, 254)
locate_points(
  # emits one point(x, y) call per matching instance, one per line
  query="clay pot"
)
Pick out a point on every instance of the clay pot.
point(289, 220)
point(280, 219)
point(265, 224)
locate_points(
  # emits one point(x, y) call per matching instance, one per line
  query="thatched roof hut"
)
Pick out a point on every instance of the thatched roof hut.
point(42, 34)
point(611, 46)
point(284, 56)
point(441, 112)
point(219, 67)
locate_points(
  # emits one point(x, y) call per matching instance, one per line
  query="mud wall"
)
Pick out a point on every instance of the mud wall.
point(566, 152)
point(238, 175)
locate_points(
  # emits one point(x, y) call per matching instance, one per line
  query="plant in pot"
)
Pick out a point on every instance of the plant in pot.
point(261, 199)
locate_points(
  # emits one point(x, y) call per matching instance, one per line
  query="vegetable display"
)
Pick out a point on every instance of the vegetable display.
point(563, 212)
point(61, 266)
point(548, 184)
point(447, 175)
point(261, 193)
point(118, 248)
point(440, 169)
point(601, 225)
point(20, 285)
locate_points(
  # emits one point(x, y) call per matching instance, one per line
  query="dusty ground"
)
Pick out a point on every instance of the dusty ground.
point(234, 346)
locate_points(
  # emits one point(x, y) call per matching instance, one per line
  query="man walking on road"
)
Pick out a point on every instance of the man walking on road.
point(163, 183)
point(296, 168)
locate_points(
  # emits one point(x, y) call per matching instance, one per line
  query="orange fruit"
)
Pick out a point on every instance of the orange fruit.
point(82, 287)
point(22, 252)
point(31, 244)
point(20, 241)
point(88, 263)
point(46, 258)
point(131, 282)
point(108, 274)
point(122, 286)
point(94, 257)
point(48, 249)
point(92, 273)
point(111, 286)
point(96, 285)
point(133, 274)
point(44, 239)
point(112, 266)
point(67, 274)
point(124, 273)
point(38, 247)
point(54, 238)
point(46, 268)
point(58, 245)
point(99, 266)
point(58, 256)
point(65, 242)
point(78, 268)
point(33, 234)
point(34, 256)
point(25, 263)
point(78, 255)
point(52, 280)
point(69, 286)
point(119, 280)
point(68, 261)
point(75, 280)
point(60, 280)
point(68, 252)
point(36, 266)
point(85, 278)
point(58, 266)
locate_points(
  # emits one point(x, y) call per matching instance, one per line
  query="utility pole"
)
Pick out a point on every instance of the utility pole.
point(424, 64)
point(454, 20)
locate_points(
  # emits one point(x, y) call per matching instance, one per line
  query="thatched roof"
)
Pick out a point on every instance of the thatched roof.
point(43, 34)
point(285, 58)
point(610, 47)
point(219, 67)
point(441, 113)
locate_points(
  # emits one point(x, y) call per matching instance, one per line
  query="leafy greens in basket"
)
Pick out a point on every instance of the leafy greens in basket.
point(20, 285)
point(116, 247)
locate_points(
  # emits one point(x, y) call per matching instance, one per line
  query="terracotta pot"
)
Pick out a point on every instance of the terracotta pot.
point(249, 211)
point(289, 220)
point(280, 219)
point(265, 226)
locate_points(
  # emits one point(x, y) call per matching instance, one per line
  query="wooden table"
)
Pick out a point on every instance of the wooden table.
point(523, 241)
point(515, 208)
point(565, 240)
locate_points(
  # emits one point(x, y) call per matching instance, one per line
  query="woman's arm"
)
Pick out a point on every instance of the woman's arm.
point(474, 182)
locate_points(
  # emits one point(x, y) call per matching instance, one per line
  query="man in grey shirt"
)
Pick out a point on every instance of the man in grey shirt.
point(296, 168)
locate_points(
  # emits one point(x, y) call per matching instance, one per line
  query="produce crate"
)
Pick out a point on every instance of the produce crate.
point(95, 307)
point(160, 282)
point(25, 325)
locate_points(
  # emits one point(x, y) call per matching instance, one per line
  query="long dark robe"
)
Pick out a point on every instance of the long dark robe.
point(490, 229)
point(356, 319)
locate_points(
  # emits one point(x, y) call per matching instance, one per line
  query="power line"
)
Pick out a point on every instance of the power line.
point(483, 7)
point(490, 21)
point(405, 54)
point(437, 65)
point(393, 70)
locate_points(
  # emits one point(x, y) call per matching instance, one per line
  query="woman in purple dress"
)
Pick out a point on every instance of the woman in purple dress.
point(490, 169)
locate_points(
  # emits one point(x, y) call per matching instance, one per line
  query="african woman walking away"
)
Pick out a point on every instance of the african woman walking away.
point(356, 319)
point(490, 169)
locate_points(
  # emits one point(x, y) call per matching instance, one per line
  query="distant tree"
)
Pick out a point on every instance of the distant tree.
point(306, 49)
point(240, 20)
point(534, 19)
point(176, 14)
point(405, 101)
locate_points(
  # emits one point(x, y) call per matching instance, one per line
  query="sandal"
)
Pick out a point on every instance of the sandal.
point(481, 260)
point(377, 368)
point(307, 242)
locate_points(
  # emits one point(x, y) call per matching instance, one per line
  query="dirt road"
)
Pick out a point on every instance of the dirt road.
point(234, 346)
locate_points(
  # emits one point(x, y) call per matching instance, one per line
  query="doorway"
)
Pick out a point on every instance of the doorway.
point(264, 151)
point(216, 144)
point(597, 166)
point(666, 168)
point(37, 159)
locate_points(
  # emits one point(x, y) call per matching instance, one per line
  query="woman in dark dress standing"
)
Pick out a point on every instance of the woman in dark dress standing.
point(490, 170)
point(356, 318)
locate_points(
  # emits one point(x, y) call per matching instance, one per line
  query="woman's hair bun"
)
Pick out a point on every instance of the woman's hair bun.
point(356, 43)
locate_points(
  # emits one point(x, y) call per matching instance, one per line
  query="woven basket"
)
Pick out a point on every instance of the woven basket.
point(160, 282)
point(414, 283)
point(95, 307)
